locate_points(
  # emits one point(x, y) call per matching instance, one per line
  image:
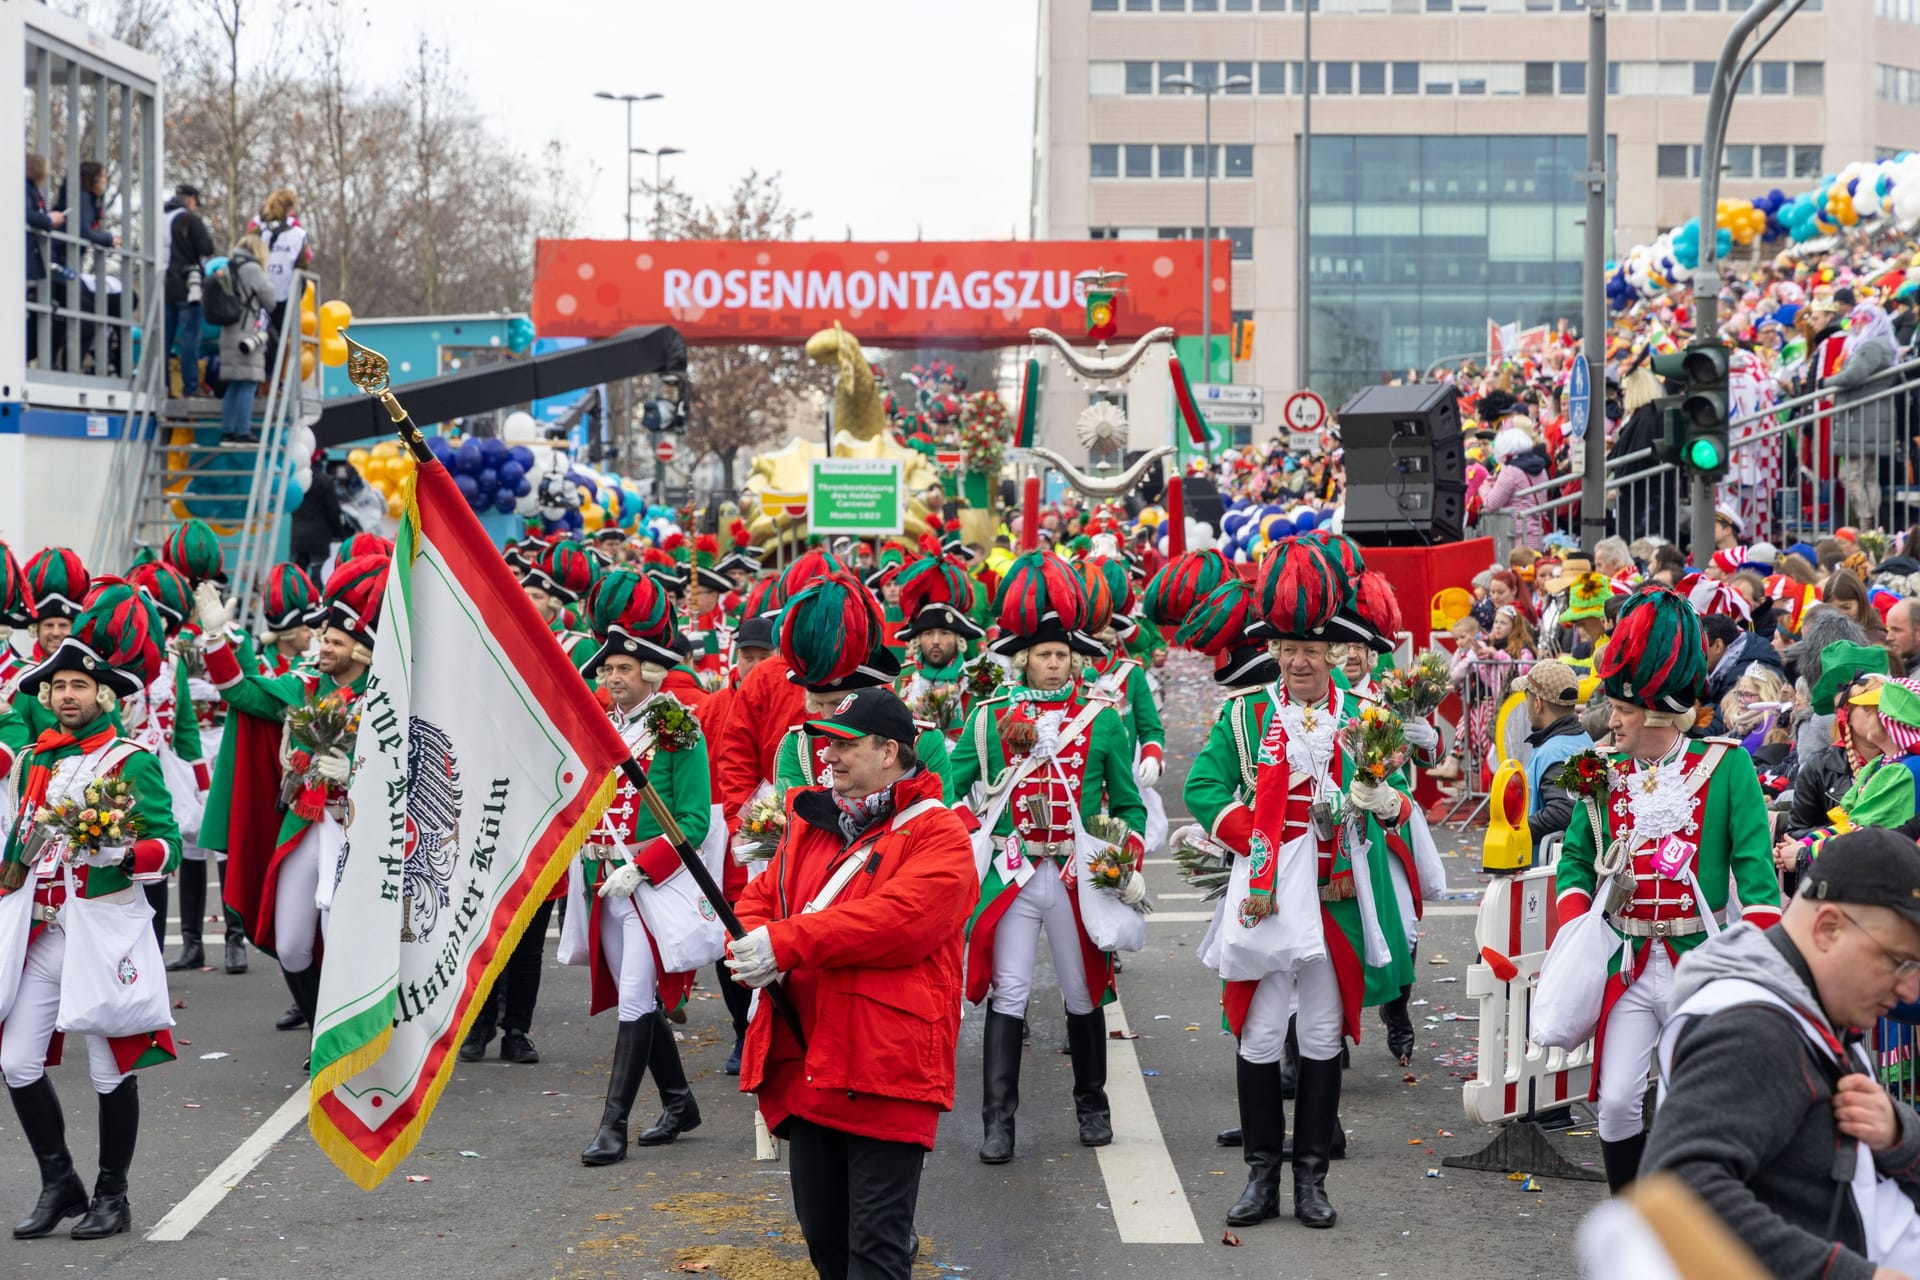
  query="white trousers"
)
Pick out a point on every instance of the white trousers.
point(1042, 901)
point(629, 954)
point(1633, 1030)
point(296, 916)
point(1318, 1019)
point(28, 1030)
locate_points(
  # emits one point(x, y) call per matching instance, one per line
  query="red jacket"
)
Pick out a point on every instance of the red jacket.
point(875, 975)
point(746, 744)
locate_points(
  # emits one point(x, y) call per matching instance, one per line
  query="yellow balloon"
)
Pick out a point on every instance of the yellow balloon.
point(592, 516)
point(336, 313)
point(395, 505)
point(307, 364)
point(307, 297)
point(357, 459)
point(387, 449)
point(333, 352)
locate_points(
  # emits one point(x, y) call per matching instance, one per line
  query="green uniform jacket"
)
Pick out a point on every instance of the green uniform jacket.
point(578, 645)
point(1145, 641)
point(1735, 844)
point(793, 762)
point(151, 802)
point(1138, 715)
point(1219, 790)
point(1109, 786)
point(682, 779)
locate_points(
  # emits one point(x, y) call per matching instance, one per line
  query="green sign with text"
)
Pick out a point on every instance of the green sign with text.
point(857, 496)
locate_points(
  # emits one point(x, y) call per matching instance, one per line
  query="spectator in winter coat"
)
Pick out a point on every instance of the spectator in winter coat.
point(1522, 464)
point(189, 245)
point(243, 348)
point(1863, 439)
point(318, 522)
point(40, 220)
point(1553, 710)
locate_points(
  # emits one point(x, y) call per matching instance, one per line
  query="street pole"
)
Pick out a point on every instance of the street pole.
point(629, 168)
point(657, 158)
point(1206, 244)
point(1593, 346)
point(1303, 261)
point(1706, 275)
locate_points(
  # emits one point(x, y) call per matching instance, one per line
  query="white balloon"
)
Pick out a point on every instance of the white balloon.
point(303, 478)
point(520, 428)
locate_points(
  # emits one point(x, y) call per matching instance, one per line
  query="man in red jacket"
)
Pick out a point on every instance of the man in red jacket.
point(860, 918)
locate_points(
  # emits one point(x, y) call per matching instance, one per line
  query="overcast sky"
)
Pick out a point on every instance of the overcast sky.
point(894, 117)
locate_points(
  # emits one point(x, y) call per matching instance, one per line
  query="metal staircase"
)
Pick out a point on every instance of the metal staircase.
point(169, 463)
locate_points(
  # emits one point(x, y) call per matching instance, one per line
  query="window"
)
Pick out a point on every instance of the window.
point(1206, 6)
point(1373, 77)
point(1168, 71)
point(1239, 160)
point(1438, 77)
point(1139, 77)
point(1101, 233)
point(1106, 6)
point(1806, 162)
point(1173, 161)
point(1173, 6)
point(1103, 160)
point(1242, 70)
point(1206, 75)
point(1573, 77)
point(1139, 161)
point(1139, 6)
point(1200, 165)
point(1738, 161)
point(1773, 162)
point(1273, 77)
point(1473, 78)
point(1242, 238)
point(1703, 78)
point(1337, 76)
point(1774, 77)
point(1809, 79)
point(1105, 78)
point(1671, 160)
point(1539, 78)
point(1239, 6)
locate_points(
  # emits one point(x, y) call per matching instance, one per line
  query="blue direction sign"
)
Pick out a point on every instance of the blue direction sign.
point(1579, 397)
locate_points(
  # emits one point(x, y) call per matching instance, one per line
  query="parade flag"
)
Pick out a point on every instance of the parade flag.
point(482, 762)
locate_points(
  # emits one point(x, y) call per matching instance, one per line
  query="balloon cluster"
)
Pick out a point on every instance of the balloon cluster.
point(1248, 529)
point(491, 474)
point(386, 468)
point(1862, 194)
point(324, 321)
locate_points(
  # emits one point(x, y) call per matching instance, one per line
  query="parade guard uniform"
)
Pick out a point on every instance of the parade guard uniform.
point(16, 611)
point(1121, 682)
point(1671, 843)
point(61, 969)
point(1048, 762)
point(936, 594)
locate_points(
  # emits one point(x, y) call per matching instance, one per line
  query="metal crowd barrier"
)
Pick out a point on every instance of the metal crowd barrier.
point(1492, 722)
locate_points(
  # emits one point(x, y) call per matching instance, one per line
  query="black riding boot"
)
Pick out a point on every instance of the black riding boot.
point(1263, 1127)
point(109, 1215)
point(62, 1194)
point(630, 1051)
point(295, 1017)
point(305, 986)
point(1622, 1159)
point(1087, 1042)
point(1000, 1086)
point(193, 911)
point(1393, 1016)
point(679, 1113)
point(157, 899)
point(1315, 1117)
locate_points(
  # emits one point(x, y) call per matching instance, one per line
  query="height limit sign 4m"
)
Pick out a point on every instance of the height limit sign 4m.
point(1305, 417)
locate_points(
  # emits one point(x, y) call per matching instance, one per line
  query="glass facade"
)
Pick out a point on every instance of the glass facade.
point(1418, 241)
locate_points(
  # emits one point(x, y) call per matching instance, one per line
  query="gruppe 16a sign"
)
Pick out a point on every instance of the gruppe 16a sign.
point(951, 293)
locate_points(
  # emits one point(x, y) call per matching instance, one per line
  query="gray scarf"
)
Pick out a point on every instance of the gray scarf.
point(861, 812)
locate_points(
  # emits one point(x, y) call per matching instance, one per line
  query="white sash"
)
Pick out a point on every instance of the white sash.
point(857, 857)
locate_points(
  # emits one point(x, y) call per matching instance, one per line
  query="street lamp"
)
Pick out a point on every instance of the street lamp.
point(629, 99)
point(658, 156)
point(1207, 90)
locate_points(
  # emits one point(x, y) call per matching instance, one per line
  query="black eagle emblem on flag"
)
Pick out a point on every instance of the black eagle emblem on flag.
point(433, 828)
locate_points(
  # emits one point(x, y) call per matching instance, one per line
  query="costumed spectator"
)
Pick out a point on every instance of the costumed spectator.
point(1552, 689)
point(289, 250)
point(1731, 650)
point(1754, 710)
point(1825, 776)
point(243, 345)
point(1883, 723)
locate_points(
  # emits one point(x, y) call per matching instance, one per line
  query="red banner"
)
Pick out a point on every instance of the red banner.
point(938, 293)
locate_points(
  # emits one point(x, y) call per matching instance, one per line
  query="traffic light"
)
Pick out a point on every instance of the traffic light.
point(1102, 314)
point(1702, 405)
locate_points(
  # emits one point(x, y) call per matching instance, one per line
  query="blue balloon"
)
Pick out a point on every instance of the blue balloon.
point(511, 473)
point(494, 448)
point(522, 487)
point(470, 457)
point(441, 448)
point(573, 519)
point(522, 455)
point(503, 503)
point(489, 480)
point(468, 486)
point(519, 335)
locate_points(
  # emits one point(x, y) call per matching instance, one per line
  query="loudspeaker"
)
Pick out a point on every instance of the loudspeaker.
point(1201, 498)
point(1406, 466)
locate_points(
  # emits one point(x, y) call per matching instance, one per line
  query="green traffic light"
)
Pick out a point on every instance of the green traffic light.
point(1704, 455)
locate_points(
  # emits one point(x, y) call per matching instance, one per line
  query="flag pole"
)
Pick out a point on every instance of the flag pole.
point(367, 370)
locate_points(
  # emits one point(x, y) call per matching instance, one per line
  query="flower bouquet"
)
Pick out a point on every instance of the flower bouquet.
point(1586, 774)
point(1419, 690)
point(1204, 865)
point(983, 678)
point(319, 726)
point(1376, 742)
point(1111, 868)
point(101, 817)
point(670, 725)
point(939, 706)
point(762, 823)
point(1874, 543)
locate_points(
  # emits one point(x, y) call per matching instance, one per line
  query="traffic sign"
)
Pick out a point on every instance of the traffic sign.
point(1229, 393)
point(1304, 411)
point(663, 448)
point(858, 495)
point(1231, 414)
point(1579, 397)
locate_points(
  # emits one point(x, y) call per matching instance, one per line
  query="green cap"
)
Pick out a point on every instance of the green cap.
point(1841, 663)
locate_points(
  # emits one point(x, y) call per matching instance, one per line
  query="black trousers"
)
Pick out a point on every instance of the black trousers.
point(739, 999)
point(854, 1197)
point(517, 989)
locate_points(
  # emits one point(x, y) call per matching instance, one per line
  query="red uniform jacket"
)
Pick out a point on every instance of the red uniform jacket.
point(746, 745)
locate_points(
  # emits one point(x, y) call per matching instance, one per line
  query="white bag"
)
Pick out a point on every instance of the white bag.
point(1573, 980)
point(1111, 924)
point(183, 788)
point(1373, 941)
point(1291, 937)
point(575, 945)
point(16, 928)
point(113, 981)
point(329, 853)
point(683, 924)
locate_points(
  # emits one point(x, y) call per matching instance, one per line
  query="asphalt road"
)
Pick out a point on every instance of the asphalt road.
point(501, 1194)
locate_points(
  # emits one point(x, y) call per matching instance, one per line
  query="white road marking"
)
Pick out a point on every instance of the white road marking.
point(203, 1199)
point(1202, 917)
point(1149, 1205)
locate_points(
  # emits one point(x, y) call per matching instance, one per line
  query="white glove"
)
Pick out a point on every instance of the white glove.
point(621, 881)
point(1376, 798)
point(333, 766)
point(1134, 892)
point(109, 855)
point(210, 610)
point(1420, 734)
point(751, 959)
point(1146, 770)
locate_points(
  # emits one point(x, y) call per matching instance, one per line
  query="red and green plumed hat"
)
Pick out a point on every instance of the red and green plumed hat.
point(1656, 658)
point(194, 550)
point(706, 564)
point(169, 590)
point(1042, 601)
point(1347, 564)
point(289, 598)
point(1374, 604)
point(363, 544)
point(833, 636)
point(116, 639)
point(631, 617)
point(740, 553)
point(16, 598)
point(58, 583)
point(1296, 591)
point(935, 594)
point(563, 570)
point(1182, 583)
point(1217, 626)
point(353, 596)
point(1118, 582)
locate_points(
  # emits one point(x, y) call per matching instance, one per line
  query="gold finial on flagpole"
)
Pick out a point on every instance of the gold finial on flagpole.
point(367, 370)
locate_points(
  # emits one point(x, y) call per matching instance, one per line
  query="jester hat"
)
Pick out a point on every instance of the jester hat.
point(1042, 601)
point(563, 570)
point(630, 615)
point(58, 583)
point(116, 640)
point(194, 550)
point(169, 590)
point(1296, 592)
point(935, 594)
point(832, 635)
point(353, 597)
point(1656, 658)
point(1217, 626)
point(289, 598)
point(16, 598)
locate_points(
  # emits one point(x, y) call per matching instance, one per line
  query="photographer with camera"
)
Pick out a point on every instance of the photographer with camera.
point(237, 297)
point(189, 245)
